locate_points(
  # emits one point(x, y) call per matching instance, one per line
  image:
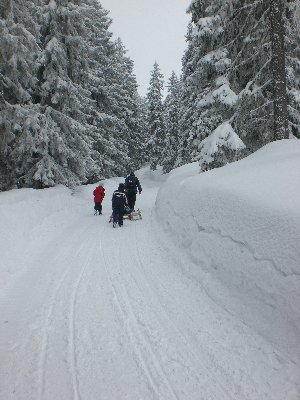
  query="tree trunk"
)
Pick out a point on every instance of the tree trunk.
point(278, 69)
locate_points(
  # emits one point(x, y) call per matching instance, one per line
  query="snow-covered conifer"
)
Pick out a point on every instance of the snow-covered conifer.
point(229, 74)
point(254, 73)
point(220, 147)
point(18, 113)
point(208, 98)
point(292, 41)
point(280, 115)
point(156, 128)
point(68, 95)
point(172, 113)
point(122, 89)
point(138, 138)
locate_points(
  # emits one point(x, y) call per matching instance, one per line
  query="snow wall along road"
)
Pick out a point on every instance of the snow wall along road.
point(240, 226)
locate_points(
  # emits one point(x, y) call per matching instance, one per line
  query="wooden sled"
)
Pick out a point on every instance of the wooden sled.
point(133, 216)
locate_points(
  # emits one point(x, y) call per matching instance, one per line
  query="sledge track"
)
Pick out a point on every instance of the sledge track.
point(146, 320)
point(63, 254)
point(72, 325)
point(182, 338)
point(190, 363)
point(69, 281)
point(50, 341)
point(146, 358)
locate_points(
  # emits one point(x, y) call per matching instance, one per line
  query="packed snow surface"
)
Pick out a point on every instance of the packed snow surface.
point(199, 300)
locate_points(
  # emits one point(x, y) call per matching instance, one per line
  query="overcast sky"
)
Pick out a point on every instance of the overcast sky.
point(151, 30)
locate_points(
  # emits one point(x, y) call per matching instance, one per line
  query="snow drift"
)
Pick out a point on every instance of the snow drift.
point(240, 226)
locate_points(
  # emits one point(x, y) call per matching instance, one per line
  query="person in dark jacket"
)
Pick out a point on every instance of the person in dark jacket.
point(132, 186)
point(119, 201)
point(99, 194)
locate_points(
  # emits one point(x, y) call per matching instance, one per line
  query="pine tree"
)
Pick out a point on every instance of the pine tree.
point(171, 112)
point(208, 99)
point(122, 86)
point(138, 136)
point(278, 69)
point(251, 74)
point(19, 51)
point(156, 126)
point(69, 105)
point(292, 42)
point(233, 73)
point(63, 97)
point(258, 76)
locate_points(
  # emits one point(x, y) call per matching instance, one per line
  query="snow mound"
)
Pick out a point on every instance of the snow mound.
point(240, 225)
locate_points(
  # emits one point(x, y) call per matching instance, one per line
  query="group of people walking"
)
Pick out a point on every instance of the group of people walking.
point(123, 199)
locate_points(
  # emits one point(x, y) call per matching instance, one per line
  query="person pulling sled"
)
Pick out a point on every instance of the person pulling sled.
point(132, 186)
point(99, 194)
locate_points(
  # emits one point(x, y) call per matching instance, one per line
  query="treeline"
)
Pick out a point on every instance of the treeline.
point(240, 84)
point(70, 111)
point(69, 108)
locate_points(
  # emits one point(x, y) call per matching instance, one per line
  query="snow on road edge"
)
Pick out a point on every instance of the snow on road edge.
point(240, 226)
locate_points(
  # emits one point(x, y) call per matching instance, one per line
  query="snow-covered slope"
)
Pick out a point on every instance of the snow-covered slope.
point(199, 300)
point(240, 226)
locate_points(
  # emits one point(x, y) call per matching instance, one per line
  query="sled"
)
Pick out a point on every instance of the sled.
point(133, 216)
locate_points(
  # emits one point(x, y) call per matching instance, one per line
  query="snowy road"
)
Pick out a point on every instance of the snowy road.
point(107, 314)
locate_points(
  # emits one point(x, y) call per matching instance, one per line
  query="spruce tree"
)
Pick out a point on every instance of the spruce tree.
point(208, 99)
point(18, 55)
point(68, 98)
point(138, 151)
point(264, 72)
point(171, 112)
point(292, 42)
point(234, 73)
point(156, 128)
point(63, 97)
point(278, 69)
point(251, 74)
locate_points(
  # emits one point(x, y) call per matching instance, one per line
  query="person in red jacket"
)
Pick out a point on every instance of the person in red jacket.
point(99, 194)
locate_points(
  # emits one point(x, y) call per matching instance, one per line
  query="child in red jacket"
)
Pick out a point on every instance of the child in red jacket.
point(99, 194)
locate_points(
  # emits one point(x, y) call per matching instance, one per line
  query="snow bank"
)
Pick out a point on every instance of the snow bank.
point(240, 225)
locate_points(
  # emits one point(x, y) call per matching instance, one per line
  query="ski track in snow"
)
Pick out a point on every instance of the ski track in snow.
point(45, 340)
point(64, 255)
point(144, 353)
point(222, 392)
point(72, 335)
point(139, 332)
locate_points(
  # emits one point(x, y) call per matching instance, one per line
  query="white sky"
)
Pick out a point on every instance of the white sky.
point(151, 30)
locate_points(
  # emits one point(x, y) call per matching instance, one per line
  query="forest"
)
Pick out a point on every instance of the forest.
point(71, 114)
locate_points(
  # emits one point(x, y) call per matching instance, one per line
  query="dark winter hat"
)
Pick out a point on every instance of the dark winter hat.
point(131, 173)
point(121, 186)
